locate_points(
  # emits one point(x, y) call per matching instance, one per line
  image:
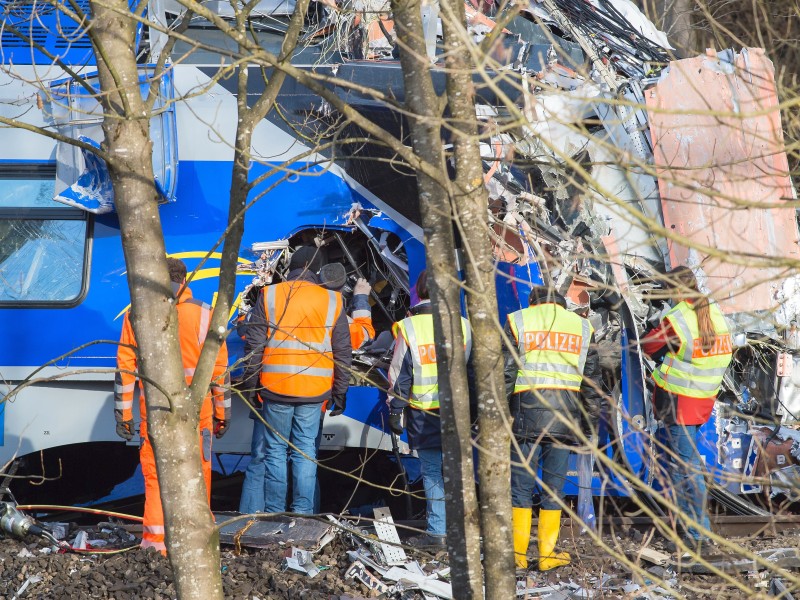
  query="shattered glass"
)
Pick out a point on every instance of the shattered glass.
point(41, 260)
point(26, 193)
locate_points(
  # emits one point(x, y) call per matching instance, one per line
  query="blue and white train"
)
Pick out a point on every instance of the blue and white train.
point(63, 287)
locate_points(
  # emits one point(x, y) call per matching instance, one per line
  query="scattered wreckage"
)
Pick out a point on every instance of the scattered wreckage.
point(367, 558)
point(607, 163)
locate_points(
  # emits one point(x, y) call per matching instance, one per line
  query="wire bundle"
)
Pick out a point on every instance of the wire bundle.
point(629, 50)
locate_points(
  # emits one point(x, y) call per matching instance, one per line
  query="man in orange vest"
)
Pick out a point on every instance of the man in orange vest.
point(298, 343)
point(194, 318)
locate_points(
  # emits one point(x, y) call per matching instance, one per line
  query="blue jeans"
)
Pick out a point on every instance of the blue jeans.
point(553, 461)
point(298, 424)
point(688, 479)
point(317, 444)
point(430, 461)
point(252, 500)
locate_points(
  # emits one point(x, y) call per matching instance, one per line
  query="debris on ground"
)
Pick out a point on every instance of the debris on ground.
point(350, 561)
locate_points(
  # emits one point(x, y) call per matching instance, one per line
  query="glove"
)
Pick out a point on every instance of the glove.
point(125, 430)
point(255, 400)
point(396, 423)
point(339, 403)
point(362, 286)
point(220, 428)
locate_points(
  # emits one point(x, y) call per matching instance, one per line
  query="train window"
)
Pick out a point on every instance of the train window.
point(43, 245)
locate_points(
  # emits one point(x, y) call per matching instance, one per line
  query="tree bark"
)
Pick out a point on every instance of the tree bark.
point(674, 17)
point(423, 105)
point(241, 186)
point(471, 209)
point(191, 537)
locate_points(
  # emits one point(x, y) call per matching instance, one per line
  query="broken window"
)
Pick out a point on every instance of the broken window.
point(83, 180)
point(42, 245)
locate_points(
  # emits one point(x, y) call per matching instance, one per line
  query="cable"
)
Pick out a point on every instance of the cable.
point(82, 509)
point(101, 551)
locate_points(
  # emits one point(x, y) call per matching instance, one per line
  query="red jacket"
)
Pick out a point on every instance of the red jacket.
point(674, 408)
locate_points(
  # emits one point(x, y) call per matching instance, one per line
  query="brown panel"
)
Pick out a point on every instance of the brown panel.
point(723, 175)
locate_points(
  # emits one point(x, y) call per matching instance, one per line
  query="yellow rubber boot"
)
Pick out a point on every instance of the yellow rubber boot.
point(521, 520)
point(549, 525)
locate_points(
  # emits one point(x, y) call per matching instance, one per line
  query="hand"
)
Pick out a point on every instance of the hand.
point(339, 404)
point(220, 428)
point(125, 430)
point(362, 286)
point(396, 423)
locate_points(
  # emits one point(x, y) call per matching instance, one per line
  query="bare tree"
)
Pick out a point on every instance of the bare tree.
point(172, 407)
point(471, 210)
point(425, 108)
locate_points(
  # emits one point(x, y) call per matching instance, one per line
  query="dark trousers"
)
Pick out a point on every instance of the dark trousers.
point(553, 461)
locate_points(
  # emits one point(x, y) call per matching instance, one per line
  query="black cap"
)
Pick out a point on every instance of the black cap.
point(306, 257)
point(541, 294)
point(333, 276)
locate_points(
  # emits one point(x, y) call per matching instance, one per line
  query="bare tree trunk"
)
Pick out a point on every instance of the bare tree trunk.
point(191, 539)
point(424, 106)
point(471, 209)
point(249, 117)
point(674, 17)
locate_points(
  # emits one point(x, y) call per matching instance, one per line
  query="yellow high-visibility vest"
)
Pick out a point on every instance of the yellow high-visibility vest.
point(552, 343)
point(690, 370)
point(417, 331)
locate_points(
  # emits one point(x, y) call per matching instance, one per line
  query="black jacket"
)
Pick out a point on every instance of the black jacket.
point(256, 336)
point(533, 412)
point(423, 426)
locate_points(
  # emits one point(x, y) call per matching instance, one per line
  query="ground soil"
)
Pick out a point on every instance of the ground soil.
point(258, 574)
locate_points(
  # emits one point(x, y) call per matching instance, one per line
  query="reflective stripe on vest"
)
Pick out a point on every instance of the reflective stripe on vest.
point(418, 333)
point(690, 370)
point(205, 321)
point(553, 344)
point(298, 356)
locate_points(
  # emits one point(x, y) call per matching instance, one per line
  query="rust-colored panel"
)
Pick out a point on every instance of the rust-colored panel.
point(723, 174)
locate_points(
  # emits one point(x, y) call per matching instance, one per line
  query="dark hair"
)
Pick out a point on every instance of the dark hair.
point(422, 286)
point(683, 279)
point(541, 294)
point(177, 270)
point(306, 257)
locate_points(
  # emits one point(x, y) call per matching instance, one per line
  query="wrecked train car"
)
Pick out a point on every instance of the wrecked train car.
point(638, 167)
point(613, 164)
point(586, 168)
point(64, 283)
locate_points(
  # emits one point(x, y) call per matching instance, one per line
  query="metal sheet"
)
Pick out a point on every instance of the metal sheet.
point(263, 532)
point(723, 174)
point(387, 532)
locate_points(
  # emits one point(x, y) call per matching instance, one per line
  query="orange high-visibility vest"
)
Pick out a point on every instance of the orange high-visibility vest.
point(298, 357)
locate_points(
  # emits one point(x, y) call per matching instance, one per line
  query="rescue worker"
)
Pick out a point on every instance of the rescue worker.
point(298, 343)
point(334, 277)
point(552, 382)
point(694, 340)
point(413, 376)
point(194, 318)
point(252, 498)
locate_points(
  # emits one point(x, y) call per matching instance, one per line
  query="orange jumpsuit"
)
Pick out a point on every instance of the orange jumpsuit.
point(194, 317)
